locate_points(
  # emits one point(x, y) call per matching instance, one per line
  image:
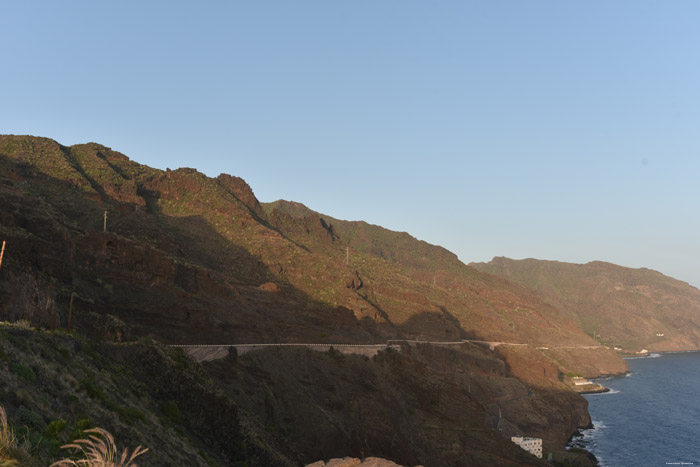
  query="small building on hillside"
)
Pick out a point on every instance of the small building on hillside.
point(579, 381)
point(531, 445)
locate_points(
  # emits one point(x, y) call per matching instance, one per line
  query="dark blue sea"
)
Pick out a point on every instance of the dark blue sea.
point(651, 417)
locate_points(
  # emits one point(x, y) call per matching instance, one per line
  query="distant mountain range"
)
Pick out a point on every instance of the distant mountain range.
point(632, 309)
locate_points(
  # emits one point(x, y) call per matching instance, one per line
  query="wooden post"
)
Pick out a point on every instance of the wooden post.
point(70, 310)
point(347, 255)
point(2, 252)
point(105, 224)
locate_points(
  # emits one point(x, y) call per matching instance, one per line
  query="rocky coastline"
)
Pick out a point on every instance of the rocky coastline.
point(593, 389)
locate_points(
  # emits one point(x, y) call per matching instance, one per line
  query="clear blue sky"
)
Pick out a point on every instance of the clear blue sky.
point(546, 129)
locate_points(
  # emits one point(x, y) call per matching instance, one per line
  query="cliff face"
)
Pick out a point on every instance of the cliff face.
point(422, 405)
point(627, 308)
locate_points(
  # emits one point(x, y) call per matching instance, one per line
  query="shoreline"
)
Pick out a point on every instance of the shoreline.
point(599, 390)
point(676, 351)
point(590, 439)
point(656, 352)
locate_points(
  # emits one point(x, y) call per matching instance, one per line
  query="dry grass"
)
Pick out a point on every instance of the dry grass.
point(8, 440)
point(100, 451)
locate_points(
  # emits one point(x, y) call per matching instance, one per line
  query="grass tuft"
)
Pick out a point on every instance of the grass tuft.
point(99, 450)
point(8, 439)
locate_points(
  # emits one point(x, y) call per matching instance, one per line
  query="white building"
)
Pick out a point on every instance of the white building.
point(531, 445)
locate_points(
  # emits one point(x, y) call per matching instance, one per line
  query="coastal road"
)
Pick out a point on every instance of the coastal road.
point(208, 352)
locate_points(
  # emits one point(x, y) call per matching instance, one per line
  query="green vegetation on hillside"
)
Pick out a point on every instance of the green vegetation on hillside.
point(141, 392)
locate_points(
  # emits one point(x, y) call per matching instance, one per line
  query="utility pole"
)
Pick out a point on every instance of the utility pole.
point(2, 252)
point(70, 310)
point(105, 224)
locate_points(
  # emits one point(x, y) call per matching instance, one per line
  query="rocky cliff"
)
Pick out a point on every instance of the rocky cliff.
point(421, 405)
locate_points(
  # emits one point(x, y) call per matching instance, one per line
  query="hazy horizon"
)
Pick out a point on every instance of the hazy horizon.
point(540, 130)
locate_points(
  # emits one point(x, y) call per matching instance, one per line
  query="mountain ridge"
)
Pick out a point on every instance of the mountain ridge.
point(190, 259)
point(214, 233)
point(629, 308)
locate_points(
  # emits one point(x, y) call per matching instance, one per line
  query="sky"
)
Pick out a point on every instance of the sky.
point(542, 129)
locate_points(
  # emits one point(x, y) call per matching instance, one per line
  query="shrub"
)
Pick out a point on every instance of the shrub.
point(31, 420)
point(55, 428)
point(23, 372)
point(92, 389)
point(23, 396)
point(64, 352)
point(172, 411)
point(130, 414)
point(180, 358)
point(81, 425)
point(71, 399)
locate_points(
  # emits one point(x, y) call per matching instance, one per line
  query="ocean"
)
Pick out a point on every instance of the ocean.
point(650, 417)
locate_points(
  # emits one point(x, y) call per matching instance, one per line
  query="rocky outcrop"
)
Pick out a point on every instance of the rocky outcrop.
point(270, 287)
point(531, 366)
point(241, 190)
point(354, 282)
point(353, 461)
